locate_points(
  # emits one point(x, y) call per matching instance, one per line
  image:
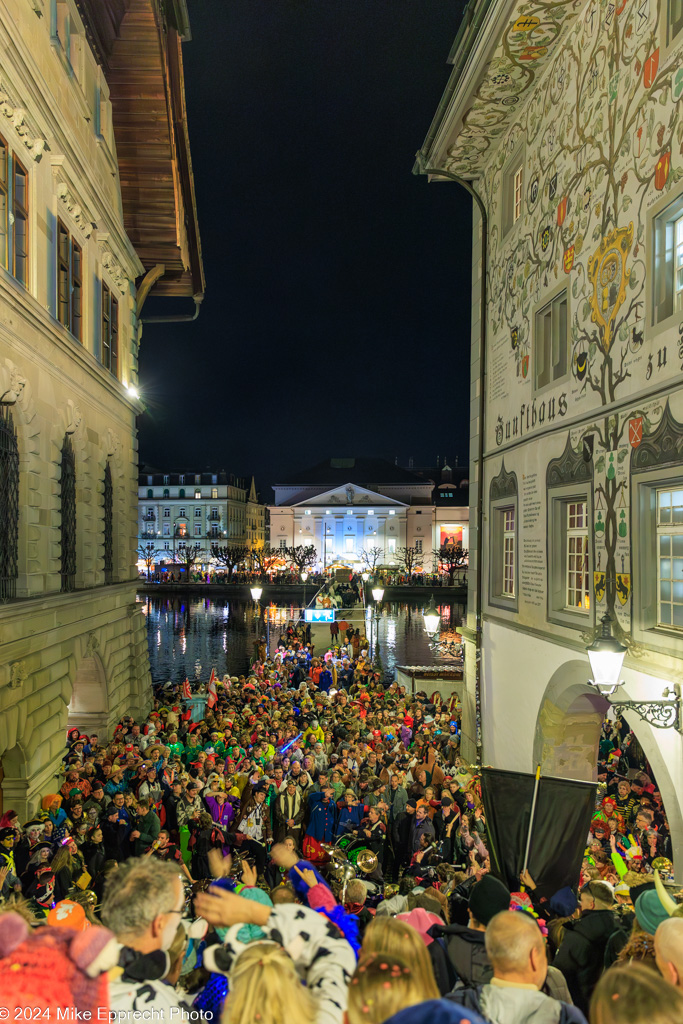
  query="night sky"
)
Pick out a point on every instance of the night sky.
point(336, 316)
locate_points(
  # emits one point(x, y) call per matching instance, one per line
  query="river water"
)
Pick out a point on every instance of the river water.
point(183, 630)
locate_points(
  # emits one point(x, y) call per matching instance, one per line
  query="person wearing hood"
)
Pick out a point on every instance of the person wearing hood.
point(461, 958)
point(516, 951)
point(581, 955)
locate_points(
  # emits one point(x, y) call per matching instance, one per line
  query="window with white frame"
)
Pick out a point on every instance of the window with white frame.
point(668, 261)
point(197, 530)
point(197, 495)
point(283, 543)
point(181, 479)
point(166, 479)
point(674, 21)
point(577, 575)
point(349, 545)
point(418, 546)
point(198, 513)
point(167, 529)
point(509, 551)
point(167, 513)
point(181, 513)
point(513, 191)
point(670, 558)
point(69, 281)
point(167, 545)
point(550, 341)
point(14, 225)
point(391, 545)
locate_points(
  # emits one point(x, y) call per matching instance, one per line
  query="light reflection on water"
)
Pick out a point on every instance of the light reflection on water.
point(221, 634)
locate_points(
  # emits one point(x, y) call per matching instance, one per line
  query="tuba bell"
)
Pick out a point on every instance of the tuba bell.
point(366, 861)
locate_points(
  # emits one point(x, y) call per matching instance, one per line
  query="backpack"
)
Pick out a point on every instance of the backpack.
point(470, 962)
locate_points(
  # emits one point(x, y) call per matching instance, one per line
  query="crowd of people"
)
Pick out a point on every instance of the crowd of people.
point(315, 844)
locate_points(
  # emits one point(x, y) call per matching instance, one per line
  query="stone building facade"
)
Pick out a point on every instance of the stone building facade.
point(345, 507)
point(72, 284)
point(177, 509)
point(565, 120)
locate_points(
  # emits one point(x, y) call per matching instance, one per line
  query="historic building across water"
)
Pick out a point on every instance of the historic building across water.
point(96, 210)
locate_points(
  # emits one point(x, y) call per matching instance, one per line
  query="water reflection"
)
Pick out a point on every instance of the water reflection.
point(222, 634)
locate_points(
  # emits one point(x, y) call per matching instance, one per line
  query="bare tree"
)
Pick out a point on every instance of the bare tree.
point(148, 553)
point(264, 558)
point(372, 557)
point(229, 556)
point(189, 556)
point(302, 556)
point(452, 558)
point(410, 557)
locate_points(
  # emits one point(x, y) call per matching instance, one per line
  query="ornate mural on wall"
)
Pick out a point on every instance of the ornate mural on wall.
point(599, 137)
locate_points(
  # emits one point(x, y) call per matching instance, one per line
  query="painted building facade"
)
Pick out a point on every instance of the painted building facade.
point(345, 507)
point(565, 118)
point(177, 509)
point(76, 262)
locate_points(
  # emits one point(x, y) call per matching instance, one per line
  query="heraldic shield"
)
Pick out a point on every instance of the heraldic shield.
point(608, 274)
point(599, 584)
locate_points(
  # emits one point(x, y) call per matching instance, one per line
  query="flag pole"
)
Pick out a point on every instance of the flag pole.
point(531, 819)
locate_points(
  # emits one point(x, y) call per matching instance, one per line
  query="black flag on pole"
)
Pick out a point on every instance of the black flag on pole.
point(564, 808)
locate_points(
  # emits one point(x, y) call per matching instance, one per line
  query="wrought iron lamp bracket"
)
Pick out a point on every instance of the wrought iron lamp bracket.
point(660, 714)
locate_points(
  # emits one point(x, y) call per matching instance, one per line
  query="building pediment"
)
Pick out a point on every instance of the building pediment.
point(348, 495)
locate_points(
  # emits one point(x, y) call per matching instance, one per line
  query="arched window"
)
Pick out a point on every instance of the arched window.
point(181, 492)
point(167, 493)
point(150, 492)
point(9, 506)
point(108, 526)
point(67, 502)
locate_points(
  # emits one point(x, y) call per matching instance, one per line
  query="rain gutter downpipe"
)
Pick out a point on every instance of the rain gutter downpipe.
point(439, 172)
point(175, 318)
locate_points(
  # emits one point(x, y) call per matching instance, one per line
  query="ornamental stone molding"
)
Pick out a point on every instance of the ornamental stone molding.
point(32, 138)
point(504, 485)
point(662, 448)
point(68, 196)
point(92, 645)
point(570, 468)
point(113, 266)
point(18, 673)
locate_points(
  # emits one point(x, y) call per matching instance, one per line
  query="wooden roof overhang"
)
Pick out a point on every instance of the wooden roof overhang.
point(138, 43)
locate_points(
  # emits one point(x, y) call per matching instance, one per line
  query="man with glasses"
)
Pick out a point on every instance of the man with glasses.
point(143, 905)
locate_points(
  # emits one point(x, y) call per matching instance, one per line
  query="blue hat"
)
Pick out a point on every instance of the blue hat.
point(563, 902)
point(436, 1011)
point(650, 911)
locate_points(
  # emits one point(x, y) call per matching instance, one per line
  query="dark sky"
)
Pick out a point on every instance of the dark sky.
point(336, 314)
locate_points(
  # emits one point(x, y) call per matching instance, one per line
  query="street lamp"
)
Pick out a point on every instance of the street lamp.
point(432, 621)
point(365, 576)
point(431, 617)
point(304, 576)
point(256, 592)
point(606, 655)
point(377, 593)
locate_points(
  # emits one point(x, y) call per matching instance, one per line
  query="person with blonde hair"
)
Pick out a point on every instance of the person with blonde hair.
point(265, 988)
point(634, 994)
point(381, 986)
point(402, 941)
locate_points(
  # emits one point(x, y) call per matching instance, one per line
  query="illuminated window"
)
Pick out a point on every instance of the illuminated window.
point(670, 558)
point(371, 511)
point(578, 579)
point(508, 552)
point(391, 545)
point(349, 545)
point(110, 332)
point(349, 512)
point(197, 495)
point(214, 492)
point(69, 281)
point(517, 197)
point(392, 512)
point(20, 224)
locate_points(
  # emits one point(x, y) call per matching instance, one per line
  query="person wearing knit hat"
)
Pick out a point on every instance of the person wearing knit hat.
point(650, 912)
point(487, 898)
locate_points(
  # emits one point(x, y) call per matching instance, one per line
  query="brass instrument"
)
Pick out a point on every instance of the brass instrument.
point(367, 861)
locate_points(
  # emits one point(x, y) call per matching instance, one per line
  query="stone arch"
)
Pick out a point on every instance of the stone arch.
point(88, 708)
point(568, 732)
